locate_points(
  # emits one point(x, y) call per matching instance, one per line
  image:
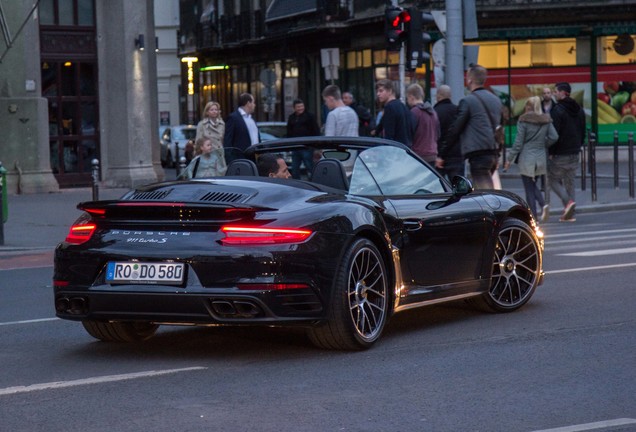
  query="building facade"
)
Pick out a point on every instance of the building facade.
point(86, 80)
point(307, 44)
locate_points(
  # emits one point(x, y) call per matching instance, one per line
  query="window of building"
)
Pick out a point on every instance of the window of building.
point(617, 49)
point(533, 53)
point(69, 87)
point(67, 12)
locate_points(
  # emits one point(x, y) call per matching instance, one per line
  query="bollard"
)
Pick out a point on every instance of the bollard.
point(182, 166)
point(177, 159)
point(583, 166)
point(592, 165)
point(630, 147)
point(95, 174)
point(3, 203)
point(616, 184)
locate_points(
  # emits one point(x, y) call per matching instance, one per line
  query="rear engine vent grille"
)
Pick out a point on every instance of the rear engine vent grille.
point(150, 195)
point(223, 197)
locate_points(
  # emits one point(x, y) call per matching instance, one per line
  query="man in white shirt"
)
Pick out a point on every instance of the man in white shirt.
point(341, 120)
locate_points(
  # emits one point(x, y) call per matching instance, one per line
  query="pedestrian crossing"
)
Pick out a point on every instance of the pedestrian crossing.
point(591, 242)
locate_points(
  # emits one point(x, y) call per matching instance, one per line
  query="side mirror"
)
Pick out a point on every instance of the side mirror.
point(461, 186)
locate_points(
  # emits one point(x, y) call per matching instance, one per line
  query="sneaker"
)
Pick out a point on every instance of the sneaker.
point(545, 213)
point(567, 219)
point(568, 212)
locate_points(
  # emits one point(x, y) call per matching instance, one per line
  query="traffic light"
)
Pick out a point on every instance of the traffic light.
point(417, 42)
point(395, 26)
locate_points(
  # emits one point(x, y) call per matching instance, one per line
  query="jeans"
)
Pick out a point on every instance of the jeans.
point(481, 169)
point(302, 156)
point(561, 175)
point(533, 194)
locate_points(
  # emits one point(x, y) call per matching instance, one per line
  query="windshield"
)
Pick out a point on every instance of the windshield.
point(389, 170)
point(184, 134)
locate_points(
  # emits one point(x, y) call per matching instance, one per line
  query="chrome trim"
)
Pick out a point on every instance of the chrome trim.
point(399, 281)
point(440, 300)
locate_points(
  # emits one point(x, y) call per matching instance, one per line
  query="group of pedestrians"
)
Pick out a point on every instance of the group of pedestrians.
point(549, 138)
point(550, 134)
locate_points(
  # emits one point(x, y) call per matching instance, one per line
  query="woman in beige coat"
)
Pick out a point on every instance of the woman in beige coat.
point(535, 133)
point(213, 127)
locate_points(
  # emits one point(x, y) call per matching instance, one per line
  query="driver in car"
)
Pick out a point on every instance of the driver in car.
point(271, 165)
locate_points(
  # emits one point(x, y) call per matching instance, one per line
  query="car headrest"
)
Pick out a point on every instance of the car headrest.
point(330, 172)
point(242, 167)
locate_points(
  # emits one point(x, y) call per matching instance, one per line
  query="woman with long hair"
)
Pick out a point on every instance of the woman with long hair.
point(535, 133)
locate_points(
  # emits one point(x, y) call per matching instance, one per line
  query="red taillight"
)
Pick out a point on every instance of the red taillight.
point(80, 232)
point(60, 283)
point(238, 235)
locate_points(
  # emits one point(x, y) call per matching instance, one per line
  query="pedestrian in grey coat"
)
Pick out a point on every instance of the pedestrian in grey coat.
point(535, 132)
point(478, 116)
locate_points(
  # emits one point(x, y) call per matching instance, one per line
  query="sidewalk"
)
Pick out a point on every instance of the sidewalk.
point(38, 222)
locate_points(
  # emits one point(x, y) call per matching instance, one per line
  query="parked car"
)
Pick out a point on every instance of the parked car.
point(174, 137)
point(164, 137)
point(336, 255)
point(272, 130)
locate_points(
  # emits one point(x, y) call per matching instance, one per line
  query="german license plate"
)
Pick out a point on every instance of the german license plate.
point(144, 272)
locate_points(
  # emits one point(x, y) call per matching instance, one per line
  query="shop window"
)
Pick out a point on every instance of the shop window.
point(545, 52)
point(352, 62)
point(360, 59)
point(533, 53)
point(366, 58)
point(49, 79)
point(617, 49)
point(68, 79)
point(492, 55)
point(87, 79)
point(379, 57)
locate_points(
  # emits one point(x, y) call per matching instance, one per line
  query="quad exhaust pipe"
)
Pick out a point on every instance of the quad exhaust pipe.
point(236, 309)
point(71, 305)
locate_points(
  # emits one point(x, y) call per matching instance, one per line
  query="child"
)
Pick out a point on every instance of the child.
point(208, 161)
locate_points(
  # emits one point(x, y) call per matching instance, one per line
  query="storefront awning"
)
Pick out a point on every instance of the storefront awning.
point(281, 9)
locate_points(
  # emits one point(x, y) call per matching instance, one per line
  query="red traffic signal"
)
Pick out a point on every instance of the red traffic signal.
point(396, 24)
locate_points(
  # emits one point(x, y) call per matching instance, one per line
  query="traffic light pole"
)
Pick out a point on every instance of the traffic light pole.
point(402, 74)
point(455, 49)
point(401, 69)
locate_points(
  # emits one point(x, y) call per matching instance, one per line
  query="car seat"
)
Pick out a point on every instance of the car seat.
point(242, 167)
point(330, 172)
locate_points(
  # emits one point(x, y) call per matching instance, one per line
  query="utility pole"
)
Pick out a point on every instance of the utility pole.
point(455, 49)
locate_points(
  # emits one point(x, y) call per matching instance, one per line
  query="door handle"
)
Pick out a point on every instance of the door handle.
point(412, 224)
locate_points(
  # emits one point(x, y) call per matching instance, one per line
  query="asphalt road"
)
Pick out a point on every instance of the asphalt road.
point(564, 363)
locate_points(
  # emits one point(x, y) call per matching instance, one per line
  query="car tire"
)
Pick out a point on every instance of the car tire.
point(516, 269)
point(359, 304)
point(120, 331)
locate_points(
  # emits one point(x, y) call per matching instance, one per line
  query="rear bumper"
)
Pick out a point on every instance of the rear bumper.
point(205, 306)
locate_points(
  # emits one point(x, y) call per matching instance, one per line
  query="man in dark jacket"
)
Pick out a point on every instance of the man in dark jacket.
point(397, 121)
point(301, 123)
point(569, 121)
point(364, 114)
point(240, 128)
point(449, 156)
point(478, 115)
point(427, 125)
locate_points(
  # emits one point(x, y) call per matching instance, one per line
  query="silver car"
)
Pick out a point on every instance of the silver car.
point(173, 140)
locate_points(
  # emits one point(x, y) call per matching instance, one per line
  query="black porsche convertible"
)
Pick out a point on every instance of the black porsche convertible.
point(373, 231)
